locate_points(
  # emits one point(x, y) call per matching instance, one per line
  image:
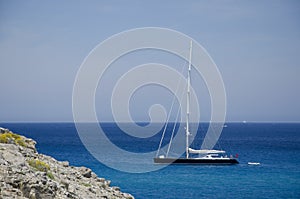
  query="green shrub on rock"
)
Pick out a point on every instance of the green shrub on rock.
point(5, 137)
point(10, 137)
point(39, 165)
point(50, 175)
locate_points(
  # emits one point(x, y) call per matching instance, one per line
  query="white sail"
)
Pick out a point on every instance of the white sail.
point(205, 151)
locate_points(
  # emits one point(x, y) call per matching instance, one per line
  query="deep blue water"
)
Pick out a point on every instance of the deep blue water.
point(275, 145)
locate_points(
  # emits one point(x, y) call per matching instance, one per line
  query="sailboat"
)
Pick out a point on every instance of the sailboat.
point(203, 156)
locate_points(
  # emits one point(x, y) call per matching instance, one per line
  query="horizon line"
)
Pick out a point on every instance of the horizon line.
point(107, 121)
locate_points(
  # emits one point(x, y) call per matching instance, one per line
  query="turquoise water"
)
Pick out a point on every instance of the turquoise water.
point(275, 146)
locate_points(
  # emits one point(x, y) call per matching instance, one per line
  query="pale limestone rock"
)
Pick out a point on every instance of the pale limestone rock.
point(19, 180)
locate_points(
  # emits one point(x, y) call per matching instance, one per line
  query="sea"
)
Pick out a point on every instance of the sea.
point(276, 146)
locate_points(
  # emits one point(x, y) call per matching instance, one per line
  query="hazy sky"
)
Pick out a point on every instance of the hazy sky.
point(255, 44)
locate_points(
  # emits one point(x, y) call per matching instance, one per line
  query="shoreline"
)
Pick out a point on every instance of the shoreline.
point(24, 173)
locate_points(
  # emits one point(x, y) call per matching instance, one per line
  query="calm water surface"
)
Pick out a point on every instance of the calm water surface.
point(275, 146)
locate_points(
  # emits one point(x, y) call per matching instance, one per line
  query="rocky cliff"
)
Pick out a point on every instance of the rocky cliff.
point(24, 173)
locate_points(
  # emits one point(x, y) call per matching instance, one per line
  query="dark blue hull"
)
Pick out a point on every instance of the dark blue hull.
point(195, 161)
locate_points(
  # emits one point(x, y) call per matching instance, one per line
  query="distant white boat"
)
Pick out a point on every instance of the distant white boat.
point(253, 163)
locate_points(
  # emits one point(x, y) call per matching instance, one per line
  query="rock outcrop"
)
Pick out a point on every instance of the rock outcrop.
point(24, 173)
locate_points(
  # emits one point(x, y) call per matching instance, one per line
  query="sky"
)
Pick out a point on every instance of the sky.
point(255, 44)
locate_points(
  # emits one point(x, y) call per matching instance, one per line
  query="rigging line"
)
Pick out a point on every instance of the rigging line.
point(172, 135)
point(171, 139)
point(169, 114)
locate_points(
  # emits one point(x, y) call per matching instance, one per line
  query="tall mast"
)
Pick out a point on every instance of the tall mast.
point(188, 102)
